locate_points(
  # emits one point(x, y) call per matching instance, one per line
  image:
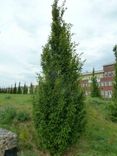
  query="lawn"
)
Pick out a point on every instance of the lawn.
point(20, 102)
point(99, 139)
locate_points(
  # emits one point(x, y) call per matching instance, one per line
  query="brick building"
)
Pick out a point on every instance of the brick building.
point(104, 79)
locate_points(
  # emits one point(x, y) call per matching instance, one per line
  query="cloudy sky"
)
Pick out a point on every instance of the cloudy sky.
point(25, 26)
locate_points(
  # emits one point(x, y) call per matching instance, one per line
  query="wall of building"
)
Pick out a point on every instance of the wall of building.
point(104, 79)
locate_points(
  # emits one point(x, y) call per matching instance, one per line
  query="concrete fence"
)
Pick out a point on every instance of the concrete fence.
point(8, 143)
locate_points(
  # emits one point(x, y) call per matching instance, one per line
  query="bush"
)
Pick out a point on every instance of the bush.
point(7, 114)
point(59, 108)
point(112, 111)
point(22, 116)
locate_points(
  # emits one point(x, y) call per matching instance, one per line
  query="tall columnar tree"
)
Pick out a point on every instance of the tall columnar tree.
point(11, 90)
point(115, 77)
point(31, 88)
point(19, 91)
point(25, 89)
point(113, 106)
point(8, 90)
point(15, 89)
point(59, 113)
point(95, 90)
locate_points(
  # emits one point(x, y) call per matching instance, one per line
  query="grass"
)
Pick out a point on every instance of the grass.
point(20, 102)
point(25, 130)
point(99, 139)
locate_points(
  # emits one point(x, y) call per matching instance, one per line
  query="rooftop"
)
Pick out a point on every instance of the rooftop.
point(96, 72)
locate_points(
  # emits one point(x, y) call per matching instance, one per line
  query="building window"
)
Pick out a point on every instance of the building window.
point(106, 94)
point(110, 74)
point(110, 94)
point(110, 83)
point(106, 74)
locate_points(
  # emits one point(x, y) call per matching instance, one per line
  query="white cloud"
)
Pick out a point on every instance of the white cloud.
point(25, 26)
point(96, 27)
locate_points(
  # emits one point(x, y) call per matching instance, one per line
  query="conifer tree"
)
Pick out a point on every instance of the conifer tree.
point(113, 106)
point(58, 107)
point(115, 77)
point(15, 89)
point(95, 91)
point(11, 90)
point(19, 91)
point(31, 88)
point(8, 90)
point(25, 89)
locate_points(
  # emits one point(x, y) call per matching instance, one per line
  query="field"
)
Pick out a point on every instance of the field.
point(99, 139)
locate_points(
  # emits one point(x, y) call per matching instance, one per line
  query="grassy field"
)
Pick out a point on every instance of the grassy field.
point(99, 139)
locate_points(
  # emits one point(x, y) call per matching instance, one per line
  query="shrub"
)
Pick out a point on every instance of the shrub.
point(59, 111)
point(112, 111)
point(22, 116)
point(7, 114)
point(95, 90)
point(113, 106)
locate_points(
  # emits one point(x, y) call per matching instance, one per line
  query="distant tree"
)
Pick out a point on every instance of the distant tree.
point(95, 90)
point(3, 90)
point(31, 88)
point(15, 89)
point(11, 90)
point(59, 112)
point(113, 105)
point(19, 91)
point(0, 90)
point(25, 89)
point(8, 90)
point(115, 77)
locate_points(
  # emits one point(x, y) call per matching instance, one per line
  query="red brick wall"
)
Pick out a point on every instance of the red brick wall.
point(106, 81)
point(108, 68)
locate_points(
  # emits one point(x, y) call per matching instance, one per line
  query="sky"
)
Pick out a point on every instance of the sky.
point(25, 27)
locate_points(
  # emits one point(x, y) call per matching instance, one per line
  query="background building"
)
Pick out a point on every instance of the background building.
point(104, 79)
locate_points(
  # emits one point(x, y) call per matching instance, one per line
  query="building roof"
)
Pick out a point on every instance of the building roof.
point(108, 64)
point(96, 72)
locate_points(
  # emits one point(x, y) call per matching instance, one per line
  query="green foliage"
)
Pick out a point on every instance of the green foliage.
point(59, 113)
point(115, 77)
point(11, 90)
point(19, 91)
point(99, 139)
point(15, 89)
point(100, 133)
point(95, 91)
point(112, 111)
point(25, 89)
point(7, 114)
point(22, 116)
point(31, 88)
point(113, 106)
